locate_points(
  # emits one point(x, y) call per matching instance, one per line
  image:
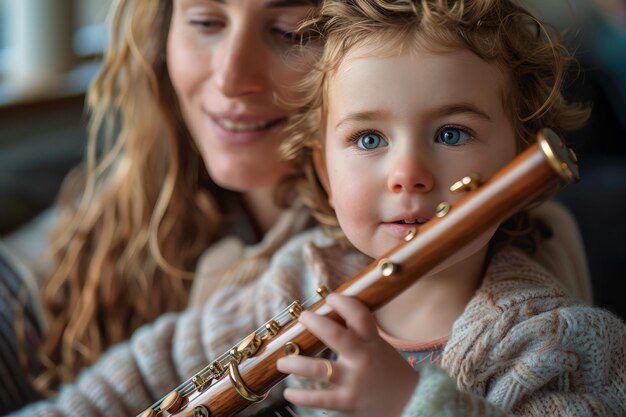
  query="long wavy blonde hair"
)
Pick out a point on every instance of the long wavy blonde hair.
point(133, 221)
point(499, 31)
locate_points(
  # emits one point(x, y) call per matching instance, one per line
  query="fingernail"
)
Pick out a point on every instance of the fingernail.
point(279, 364)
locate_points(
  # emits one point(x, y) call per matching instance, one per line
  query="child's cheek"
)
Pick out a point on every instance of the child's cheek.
point(356, 207)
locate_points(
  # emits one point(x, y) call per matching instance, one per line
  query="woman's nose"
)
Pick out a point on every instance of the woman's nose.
point(408, 174)
point(241, 67)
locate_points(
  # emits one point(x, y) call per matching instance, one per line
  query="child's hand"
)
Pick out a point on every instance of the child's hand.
point(370, 378)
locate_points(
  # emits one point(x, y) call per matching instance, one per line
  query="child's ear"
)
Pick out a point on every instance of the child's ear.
point(319, 162)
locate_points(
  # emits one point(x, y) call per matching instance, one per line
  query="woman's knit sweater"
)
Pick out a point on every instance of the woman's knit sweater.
point(521, 346)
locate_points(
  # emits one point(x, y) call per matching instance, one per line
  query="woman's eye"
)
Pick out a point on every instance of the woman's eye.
point(453, 136)
point(290, 37)
point(294, 37)
point(371, 141)
point(208, 25)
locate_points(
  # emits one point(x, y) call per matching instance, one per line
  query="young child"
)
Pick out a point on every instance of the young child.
point(415, 95)
point(409, 97)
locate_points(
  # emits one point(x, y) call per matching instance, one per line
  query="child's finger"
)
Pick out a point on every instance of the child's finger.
point(316, 369)
point(356, 314)
point(328, 399)
point(333, 334)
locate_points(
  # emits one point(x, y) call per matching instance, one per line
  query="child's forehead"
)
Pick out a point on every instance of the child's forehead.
point(389, 49)
point(455, 63)
point(389, 43)
point(416, 55)
point(418, 81)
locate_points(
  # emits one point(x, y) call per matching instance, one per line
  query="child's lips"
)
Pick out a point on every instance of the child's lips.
point(402, 223)
point(414, 218)
point(417, 221)
point(400, 230)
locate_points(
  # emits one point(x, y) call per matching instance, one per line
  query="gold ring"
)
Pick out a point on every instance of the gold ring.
point(329, 370)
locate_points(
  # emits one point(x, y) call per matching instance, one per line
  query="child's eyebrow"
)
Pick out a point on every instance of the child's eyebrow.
point(445, 110)
point(361, 116)
point(457, 108)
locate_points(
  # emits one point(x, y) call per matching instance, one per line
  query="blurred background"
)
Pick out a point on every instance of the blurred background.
point(49, 52)
point(51, 49)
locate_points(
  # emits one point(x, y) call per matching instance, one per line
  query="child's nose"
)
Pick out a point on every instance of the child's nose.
point(407, 174)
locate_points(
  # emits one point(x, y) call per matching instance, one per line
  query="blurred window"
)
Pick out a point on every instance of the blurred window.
point(3, 45)
point(49, 45)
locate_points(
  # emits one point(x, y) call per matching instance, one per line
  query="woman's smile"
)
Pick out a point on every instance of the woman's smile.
point(244, 129)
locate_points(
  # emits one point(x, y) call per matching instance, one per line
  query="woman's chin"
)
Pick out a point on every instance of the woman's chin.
point(243, 182)
point(244, 173)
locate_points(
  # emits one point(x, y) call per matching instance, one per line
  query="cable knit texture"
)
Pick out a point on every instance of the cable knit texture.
point(527, 348)
point(521, 346)
point(437, 396)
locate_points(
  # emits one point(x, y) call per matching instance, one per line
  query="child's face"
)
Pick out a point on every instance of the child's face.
point(401, 130)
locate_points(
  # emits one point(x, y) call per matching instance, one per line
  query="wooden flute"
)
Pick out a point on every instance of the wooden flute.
point(245, 374)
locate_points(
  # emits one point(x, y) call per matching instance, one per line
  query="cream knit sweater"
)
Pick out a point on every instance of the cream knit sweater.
point(529, 350)
point(521, 346)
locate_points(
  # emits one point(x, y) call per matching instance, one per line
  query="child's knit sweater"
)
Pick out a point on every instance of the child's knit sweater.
point(529, 350)
point(521, 346)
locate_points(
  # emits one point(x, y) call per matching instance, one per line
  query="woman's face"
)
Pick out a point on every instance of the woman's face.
point(228, 60)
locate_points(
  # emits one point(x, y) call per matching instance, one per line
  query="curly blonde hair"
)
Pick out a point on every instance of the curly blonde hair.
point(498, 31)
point(135, 219)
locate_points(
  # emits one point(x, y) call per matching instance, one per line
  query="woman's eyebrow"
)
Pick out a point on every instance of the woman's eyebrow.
point(291, 3)
point(281, 3)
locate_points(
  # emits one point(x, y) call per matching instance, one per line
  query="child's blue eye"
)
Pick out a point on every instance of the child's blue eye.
point(453, 136)
point(371, 141)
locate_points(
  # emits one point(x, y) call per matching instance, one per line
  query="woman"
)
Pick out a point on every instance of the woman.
point(183, 150)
